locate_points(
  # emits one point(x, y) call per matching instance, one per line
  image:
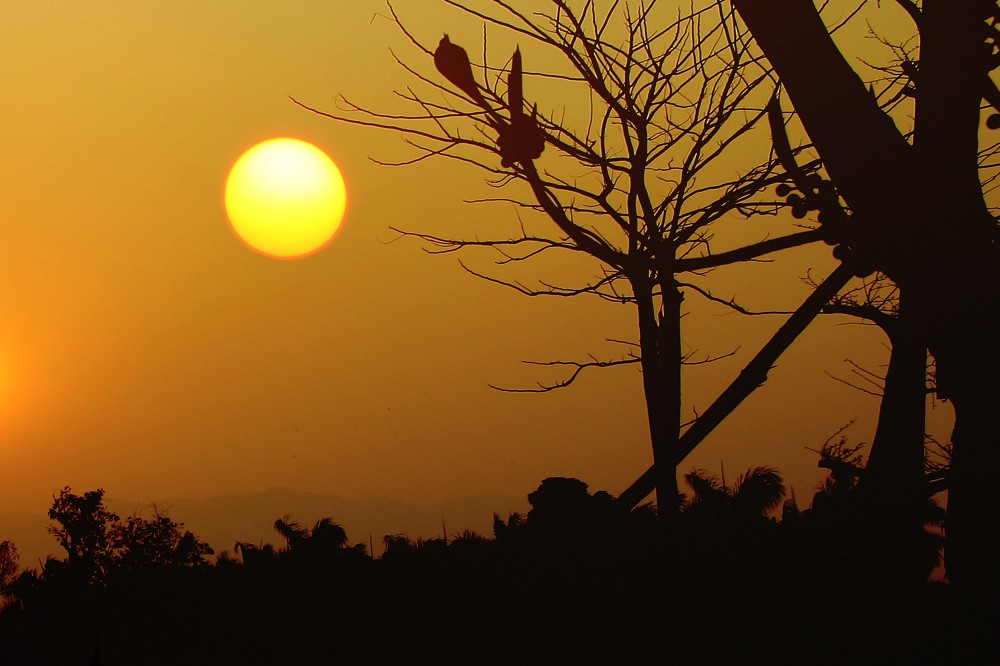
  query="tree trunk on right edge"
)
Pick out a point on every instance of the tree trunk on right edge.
point(892, 489)
point(921, 219)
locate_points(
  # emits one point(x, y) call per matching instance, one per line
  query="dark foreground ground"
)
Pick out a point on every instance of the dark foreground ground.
point(575, 598)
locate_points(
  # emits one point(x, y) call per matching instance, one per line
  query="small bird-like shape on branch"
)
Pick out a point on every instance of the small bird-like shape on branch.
point(453, 63)
point(522, 140)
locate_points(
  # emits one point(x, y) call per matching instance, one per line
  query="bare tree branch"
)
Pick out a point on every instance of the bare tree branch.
point(578, 367)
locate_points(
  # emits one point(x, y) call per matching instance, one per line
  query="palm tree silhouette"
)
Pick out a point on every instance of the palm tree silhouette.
point(328, 535)
point(254, 555)
point(755, 494)
point(326, 539)
point(295, 535)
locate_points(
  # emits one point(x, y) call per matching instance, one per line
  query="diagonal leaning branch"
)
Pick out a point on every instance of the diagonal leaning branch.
point(751, 377)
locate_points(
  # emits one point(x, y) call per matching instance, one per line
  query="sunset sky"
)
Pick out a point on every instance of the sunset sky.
point(144, 349)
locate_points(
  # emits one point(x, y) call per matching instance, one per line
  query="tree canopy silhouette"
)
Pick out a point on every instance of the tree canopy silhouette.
point(99, 543)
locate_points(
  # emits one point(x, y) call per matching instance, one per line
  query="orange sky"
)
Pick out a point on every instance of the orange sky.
point(145, 350)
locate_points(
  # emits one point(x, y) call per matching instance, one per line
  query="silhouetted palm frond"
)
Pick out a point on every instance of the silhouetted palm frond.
point(293, 532)
point(706, 488)
point(328, 533)
point(758, 491)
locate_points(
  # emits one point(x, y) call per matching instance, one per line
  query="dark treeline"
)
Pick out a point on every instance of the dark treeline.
point(753, 578)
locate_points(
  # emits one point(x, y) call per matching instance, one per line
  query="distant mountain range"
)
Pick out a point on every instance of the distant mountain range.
point(223, 520)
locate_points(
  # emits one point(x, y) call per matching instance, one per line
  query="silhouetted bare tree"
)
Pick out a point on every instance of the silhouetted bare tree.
point(631, 177)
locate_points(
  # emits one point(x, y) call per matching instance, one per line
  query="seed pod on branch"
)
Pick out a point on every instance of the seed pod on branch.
point(522, 140)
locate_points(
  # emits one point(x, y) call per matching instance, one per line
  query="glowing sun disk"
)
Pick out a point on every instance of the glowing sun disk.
point(285, 198)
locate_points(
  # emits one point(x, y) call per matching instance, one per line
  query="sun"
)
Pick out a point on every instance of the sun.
point(285, 198)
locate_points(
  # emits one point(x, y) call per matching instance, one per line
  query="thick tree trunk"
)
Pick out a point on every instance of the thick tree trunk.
point(892, 488)
point(659, 343)
point(953, 71)
point(671, 363)
point(895, 470)
point(921, 219)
